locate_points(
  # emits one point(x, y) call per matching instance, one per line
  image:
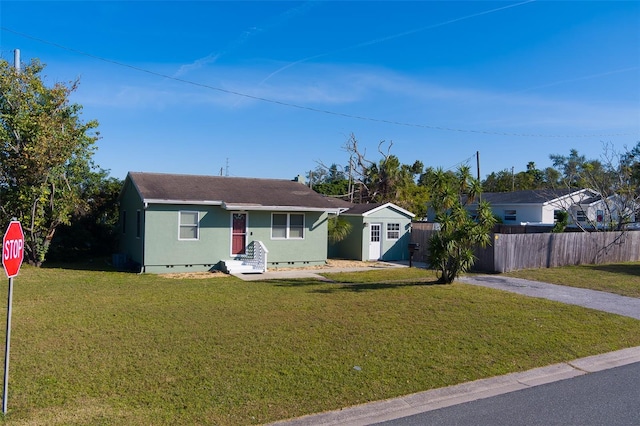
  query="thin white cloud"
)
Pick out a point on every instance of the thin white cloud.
point(196, 65)
point(247, 35)
point(391, 37)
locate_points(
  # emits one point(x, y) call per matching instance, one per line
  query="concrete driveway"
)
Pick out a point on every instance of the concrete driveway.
point(599, 300)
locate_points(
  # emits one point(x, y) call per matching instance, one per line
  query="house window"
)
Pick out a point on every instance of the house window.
point(138, 223)
point(188, 226)
point(393, 231)
point(581, 216)
point(287, 226)
point(557, 216)
point(510, 215)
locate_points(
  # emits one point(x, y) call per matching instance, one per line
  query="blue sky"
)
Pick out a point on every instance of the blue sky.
point(273, 89)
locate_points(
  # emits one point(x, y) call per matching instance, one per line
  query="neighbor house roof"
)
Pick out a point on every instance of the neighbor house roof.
point(232, 193)
point(538, 196)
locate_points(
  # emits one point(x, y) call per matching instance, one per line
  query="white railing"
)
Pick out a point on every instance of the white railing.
point(257, 256)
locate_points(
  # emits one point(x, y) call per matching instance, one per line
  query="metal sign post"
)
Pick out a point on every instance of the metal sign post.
point(5, 391)
point(12, 256)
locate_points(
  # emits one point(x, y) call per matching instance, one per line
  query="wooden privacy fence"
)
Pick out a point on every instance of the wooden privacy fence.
point(511, 252)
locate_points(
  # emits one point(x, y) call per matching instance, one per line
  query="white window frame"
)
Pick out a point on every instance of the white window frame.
point(288, 226)
point(510, 215)
point(183, 225)
point(390, 231)
point(581, 216)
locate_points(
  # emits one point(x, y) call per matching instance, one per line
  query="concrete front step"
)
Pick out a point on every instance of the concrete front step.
point(239, 267)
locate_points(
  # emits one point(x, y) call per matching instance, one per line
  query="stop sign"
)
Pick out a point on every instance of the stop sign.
point(13, 249)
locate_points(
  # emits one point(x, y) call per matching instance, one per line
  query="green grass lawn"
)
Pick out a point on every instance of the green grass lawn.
point(618, 278)
point(107, 348)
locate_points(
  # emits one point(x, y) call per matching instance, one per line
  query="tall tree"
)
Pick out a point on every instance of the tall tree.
point(451, 249)
point(388, 180)
point(45, 153)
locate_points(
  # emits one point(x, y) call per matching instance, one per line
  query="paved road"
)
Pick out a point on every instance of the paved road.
point(610, 397)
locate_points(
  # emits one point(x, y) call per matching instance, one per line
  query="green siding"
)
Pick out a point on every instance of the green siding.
point(164, 252)
point(350, 247)
point(130, 244)
point(391, 249)
point(356, 245)
point(159, 250)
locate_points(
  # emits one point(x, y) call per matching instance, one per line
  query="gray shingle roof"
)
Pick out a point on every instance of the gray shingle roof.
point(228, 190)
point(526, 196)
point(359, 209)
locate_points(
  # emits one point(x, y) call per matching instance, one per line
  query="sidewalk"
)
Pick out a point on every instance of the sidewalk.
point(293, 273)
point(380, 411)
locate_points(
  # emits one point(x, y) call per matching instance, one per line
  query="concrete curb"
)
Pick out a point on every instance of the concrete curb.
point(380, 411)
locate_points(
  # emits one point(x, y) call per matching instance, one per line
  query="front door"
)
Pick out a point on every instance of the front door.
point(374, 241)
point(239, 233)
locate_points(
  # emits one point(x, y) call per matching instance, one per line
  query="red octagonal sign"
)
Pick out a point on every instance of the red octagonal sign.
point(13, 249)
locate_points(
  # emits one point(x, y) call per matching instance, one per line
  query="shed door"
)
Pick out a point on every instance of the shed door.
point(239, 233)
point(374, 241)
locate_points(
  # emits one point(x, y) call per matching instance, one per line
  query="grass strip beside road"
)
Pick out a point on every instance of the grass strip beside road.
point(618, 278)
point(92, 347)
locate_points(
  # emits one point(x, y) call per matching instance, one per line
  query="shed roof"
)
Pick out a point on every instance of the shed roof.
point(231, 192)
point(367, 209)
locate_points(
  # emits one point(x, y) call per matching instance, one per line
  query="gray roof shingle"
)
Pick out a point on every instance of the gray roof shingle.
point(228, 190)
point(526, 196)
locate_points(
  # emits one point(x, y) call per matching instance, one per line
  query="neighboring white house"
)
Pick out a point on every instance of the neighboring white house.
point(586, 207)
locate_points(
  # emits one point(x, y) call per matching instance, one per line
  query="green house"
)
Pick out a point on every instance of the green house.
point(378, 232)
point(183, 223)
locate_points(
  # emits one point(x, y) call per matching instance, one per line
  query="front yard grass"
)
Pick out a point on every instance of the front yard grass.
point(91, 347)
point(619, 278)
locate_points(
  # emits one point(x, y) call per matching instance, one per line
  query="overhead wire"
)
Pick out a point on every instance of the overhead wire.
point(301, 107)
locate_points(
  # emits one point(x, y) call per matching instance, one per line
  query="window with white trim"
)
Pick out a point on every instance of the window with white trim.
point(287, 226)
point(557, 214)
point(393, 231)
point(581, 216)
point(189, 225)
point(510, 215)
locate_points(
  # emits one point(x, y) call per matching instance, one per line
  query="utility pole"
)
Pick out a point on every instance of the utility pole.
point(16, 60)
point(478, 168)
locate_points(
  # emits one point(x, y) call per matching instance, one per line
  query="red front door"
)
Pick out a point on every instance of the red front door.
point(239, 233)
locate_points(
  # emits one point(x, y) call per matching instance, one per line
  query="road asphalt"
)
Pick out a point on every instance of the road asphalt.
point(380, 411)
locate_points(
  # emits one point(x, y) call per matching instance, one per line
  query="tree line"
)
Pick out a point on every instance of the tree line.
point(410, 186)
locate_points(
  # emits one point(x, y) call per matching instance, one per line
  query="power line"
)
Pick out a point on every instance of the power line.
point(302, 107)
point(465, 161)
